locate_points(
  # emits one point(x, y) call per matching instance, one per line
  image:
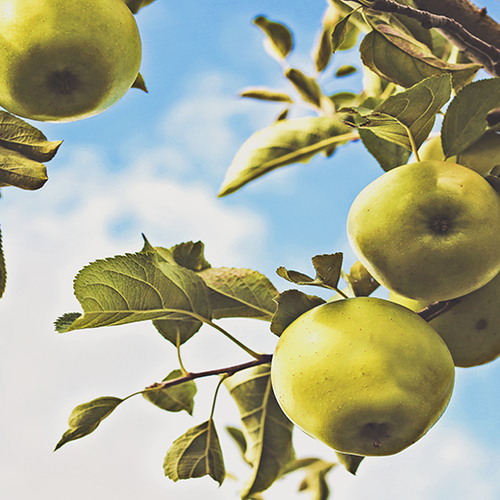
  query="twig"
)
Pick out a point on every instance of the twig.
point(230, 370)
point(462, 38)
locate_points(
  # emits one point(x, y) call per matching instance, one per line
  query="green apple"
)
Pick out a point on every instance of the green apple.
point(482, 156)
point(64, 60)
point(365, 376)
point(429, 230)
point(470, 329)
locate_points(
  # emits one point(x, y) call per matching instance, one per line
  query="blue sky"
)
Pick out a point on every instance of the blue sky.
point(153, 164)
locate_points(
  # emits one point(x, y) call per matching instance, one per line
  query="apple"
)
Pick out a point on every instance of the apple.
point(364, 375)
point(470, 329)
point(482, 156)
point(66, 60)
point(429, 230)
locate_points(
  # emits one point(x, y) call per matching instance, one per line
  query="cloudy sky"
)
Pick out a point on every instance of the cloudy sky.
point(153, 164)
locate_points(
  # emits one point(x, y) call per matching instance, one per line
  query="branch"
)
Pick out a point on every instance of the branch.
point(230, 370)
point(475, 47)
point(434, 310)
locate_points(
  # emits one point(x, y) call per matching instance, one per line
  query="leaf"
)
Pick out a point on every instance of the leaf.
point(388, 154)
point(266, 94)
point(315, 481)
point(328, 268)
point(19, 171)
point(292, 304)
point(278, 35)
point(190, 255)
point(403, 60)
point(414, 109)
point(240, 293)
point(196, 454)
point(283, 143)
point(17, 135)
point(85, 418)
point(176, 398)
point(306, 86)
point(239, 439)
point(350, 462)
point(137, 287)
point(361, 281)
point(339, 33)
point(64, 322)
point(345, 70)
point(3, 270)
point(465, 119)
point(267, 431)
point(177, 331)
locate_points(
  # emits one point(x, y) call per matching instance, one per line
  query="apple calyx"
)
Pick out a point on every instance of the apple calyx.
point(375, 432)
point(63, 82)
point(440, 224)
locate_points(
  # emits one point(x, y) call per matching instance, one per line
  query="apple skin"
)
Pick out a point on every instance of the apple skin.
point(66, 60)
point(365, 376)
point(470, 329)
point(429, 230)
point(481, 157)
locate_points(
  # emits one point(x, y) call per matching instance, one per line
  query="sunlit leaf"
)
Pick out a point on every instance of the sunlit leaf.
point(339, 33)
point(17, 135)
point(190, 255)
point(196, 453)
point(138, 287)
point(292, 304)
point(361, 281)
point(265, 94)
point(19, 171)
point(267, 431)
point(85, 418)
point(176, 398)
point(345, 70)
point(278, 35)
point(283, 143)
point(306, 86)
point(388, 154)
point(315, 482)
point(402, 59)
point(240, 293)
point(465, 119)
point(414, 109)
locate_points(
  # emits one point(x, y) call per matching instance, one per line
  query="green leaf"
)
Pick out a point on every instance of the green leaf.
point(265, 94)
point(19, 171)
point(278, 34)
point(362, 282)
point(403, 60)
point(306, 86)
point(176, 398)
point(388, 154)
point(283, 143)
point(64, 322)
point(239, 439)
point(465, 119)
point(85, 418)
point(345, 70)
point(315, 481)
point(414, 109)
point(140, 84)
point(292, 304)
point(350, 462)
point(339, 33)
point(240, 293)
point(17, 135)
point(190, 255)
point(3, 270)
point(177, 331)
point(196, 454)
point(138, 287)
point(328, 268)
point(267, 431)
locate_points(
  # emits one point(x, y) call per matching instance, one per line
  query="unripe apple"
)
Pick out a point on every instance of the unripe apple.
point(429, 230)
point(63, 60)
point(364, 375)
point(481, 157)
point(471, 328)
